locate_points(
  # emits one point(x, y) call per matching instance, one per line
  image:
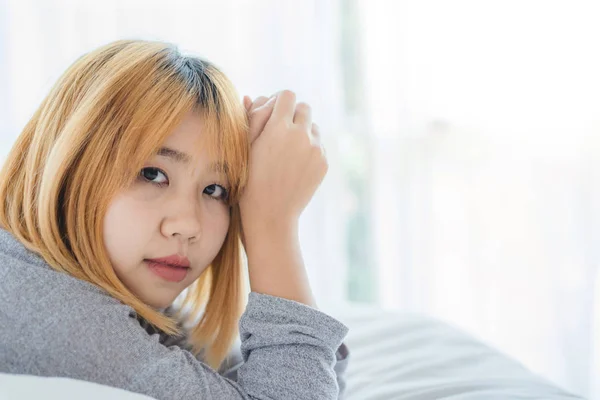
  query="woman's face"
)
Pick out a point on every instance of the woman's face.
point(176, 208)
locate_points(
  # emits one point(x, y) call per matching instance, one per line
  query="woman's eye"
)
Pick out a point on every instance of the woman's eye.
point(218, 192)
point(154, 175)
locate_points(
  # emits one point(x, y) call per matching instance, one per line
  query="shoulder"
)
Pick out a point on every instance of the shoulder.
point(36, 292)
point(47, 316)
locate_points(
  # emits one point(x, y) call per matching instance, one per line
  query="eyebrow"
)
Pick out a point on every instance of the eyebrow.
point(184, 158)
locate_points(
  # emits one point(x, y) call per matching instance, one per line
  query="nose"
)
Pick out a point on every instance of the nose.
point(182, 219)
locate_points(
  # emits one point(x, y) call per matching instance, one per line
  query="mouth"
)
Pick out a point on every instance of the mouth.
point(166, 271)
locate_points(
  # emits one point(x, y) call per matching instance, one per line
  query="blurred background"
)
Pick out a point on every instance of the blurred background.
point(463, 140)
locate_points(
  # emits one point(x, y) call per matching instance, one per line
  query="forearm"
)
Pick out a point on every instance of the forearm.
point(275, 263)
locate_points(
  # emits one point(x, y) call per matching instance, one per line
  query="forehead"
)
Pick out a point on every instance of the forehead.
point(191, 144)
point(190, 135)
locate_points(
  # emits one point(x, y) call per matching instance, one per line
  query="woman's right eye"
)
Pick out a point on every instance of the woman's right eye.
point(154, 175)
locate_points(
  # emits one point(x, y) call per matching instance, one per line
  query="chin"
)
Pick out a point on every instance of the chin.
point(160, 302)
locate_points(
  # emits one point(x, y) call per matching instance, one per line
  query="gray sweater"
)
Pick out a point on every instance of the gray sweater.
point(52, 324)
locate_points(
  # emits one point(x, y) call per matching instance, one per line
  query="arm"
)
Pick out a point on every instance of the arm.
point(342, 355)
point(275, 263)
point(280, 339)
point(287, 164)
point(234, 361)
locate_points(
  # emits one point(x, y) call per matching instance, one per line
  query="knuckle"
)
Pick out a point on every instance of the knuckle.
point(322, 152)
point(321, 161)
point(315, 129)
point(258, 102)
point(259, 111)
point(288, 93)
point(303, 106)
point(281, 124)
point(316, 147)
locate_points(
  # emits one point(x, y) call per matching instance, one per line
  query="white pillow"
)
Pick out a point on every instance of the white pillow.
point(29, 387)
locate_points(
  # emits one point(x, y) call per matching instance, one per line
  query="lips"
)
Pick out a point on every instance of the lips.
point(172, 268)
point(172, 260)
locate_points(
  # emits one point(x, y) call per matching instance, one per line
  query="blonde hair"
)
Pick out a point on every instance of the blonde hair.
point(107, 114)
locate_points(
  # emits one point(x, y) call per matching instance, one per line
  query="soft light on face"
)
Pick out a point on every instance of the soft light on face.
point(175, 207)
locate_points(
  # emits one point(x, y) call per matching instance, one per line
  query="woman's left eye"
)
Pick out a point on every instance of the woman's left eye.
point(216, 191)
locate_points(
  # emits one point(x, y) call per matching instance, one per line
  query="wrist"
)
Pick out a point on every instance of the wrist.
point(273, 228)
point(275, 263)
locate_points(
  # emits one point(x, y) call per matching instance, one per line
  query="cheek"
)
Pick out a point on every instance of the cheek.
point(215, 230)
point(126, 230)
point(225, 221)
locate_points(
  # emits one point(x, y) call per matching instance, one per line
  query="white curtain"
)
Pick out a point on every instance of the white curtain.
point(463, 142)
point(484, 130)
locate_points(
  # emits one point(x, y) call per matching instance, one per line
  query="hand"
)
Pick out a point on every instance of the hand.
point(287, 160)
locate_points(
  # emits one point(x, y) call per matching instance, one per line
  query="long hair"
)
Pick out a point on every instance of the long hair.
point(107, 114)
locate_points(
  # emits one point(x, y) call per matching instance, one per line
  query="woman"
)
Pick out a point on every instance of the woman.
point(131, 183)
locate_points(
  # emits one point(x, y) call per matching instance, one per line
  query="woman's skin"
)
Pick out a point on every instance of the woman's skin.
point(175, 205)
point(287, 164)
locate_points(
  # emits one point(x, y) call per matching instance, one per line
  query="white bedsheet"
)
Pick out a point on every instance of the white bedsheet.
point(396, 356)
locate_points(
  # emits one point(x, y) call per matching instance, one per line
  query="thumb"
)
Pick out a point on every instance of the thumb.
point(247, 103)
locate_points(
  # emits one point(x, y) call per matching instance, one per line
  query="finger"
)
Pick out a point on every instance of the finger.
point(303, 115)
point(259, 101)
point(259, 118)
point(315, 134)
point(315, 130)
point(316, 138)
point(247, 103)
point(285, 105)
point(269, 103)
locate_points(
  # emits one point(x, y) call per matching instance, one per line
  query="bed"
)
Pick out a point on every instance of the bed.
point(412, 357)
